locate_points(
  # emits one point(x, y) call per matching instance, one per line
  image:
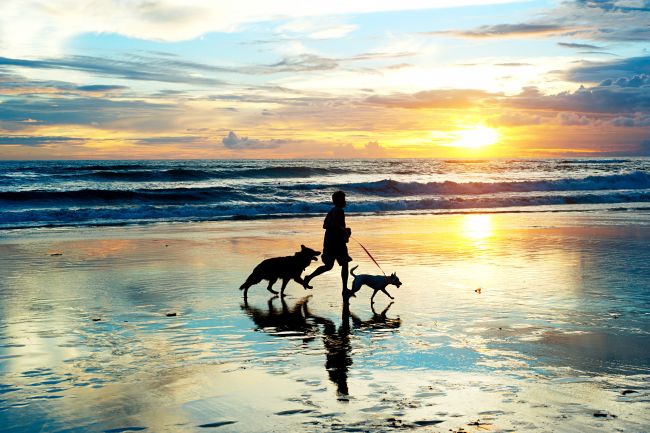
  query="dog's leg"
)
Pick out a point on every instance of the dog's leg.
point(355, 287)
point(372, 298)
point(284, 284)
point(270, 286)
point(387, 294)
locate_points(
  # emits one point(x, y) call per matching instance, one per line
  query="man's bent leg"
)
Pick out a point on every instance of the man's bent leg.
point(319, 270)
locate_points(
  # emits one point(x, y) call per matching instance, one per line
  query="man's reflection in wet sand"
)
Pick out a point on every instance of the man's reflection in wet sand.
point(337, 350)
point(289, 321)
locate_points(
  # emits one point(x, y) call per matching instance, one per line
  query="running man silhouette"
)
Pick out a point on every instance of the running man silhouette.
point(334, 242)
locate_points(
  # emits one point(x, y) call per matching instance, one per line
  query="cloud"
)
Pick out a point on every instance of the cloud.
point(513, 64)
point(444, 98)
point(301, 63)
point(615, 21)
point(168, 140)
point(639, 120)
point(15, 85)
point(172, 70)
point(374, 149)
point(395, 54)
point(510, 31)
point(516, 118)
point(279, 98)
point(614, 69)
point(141, 68)
point(81, 111)
point(636, 81)
point(101, 88)
point(35, 141)
point(579, 46)
point(399, 66)
point(616, 5)
point(530, 107)
point(572, 119)
point(598, 53)
point(233, 141)
point(33, 28)
point(597, 99)
point(614, 27)
point(314, 28)
point(333, 32)
point(606, 20)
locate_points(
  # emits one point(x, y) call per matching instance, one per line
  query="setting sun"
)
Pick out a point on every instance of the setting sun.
point(474, 138)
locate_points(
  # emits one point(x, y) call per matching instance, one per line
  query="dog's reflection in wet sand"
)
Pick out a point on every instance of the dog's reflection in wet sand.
point(284, 321)
point(377, 321)
point(289, 321)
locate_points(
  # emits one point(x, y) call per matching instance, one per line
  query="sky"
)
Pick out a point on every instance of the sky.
point(168, 79)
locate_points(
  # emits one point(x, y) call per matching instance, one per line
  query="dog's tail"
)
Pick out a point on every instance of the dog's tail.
point(352, 270)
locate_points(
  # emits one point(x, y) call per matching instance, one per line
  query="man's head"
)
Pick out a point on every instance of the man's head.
point(338, 198)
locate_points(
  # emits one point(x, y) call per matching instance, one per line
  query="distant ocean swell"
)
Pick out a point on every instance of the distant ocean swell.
point(137, 173)
point(634, 180)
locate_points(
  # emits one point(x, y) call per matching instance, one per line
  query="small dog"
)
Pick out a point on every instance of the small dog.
point(284, 268)
point(375, 282)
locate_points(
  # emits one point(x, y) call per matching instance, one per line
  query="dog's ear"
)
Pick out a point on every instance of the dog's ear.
point(302, 247)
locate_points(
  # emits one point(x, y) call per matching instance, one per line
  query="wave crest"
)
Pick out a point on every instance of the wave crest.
point(387, 187)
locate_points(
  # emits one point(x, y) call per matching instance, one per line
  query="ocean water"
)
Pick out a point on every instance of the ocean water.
point(63, 193)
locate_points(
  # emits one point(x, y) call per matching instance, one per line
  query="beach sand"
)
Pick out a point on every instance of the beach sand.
point(144, 328)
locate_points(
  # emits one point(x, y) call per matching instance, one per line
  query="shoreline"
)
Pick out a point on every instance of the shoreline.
point(551, 209)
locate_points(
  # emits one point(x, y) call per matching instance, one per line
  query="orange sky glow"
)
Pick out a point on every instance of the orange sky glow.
point(433, 79)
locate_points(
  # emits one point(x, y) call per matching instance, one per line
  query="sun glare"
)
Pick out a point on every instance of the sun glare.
point(477, 226)
point(474, 138)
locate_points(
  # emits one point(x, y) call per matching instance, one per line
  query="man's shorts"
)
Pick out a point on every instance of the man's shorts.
point(335, 252)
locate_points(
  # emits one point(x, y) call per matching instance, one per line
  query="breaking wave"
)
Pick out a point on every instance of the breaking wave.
point(634, 180)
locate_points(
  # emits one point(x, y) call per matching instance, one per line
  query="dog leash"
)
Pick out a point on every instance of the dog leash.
point(369, 255)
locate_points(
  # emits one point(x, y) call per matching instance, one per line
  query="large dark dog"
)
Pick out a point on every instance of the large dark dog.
point(283, 268)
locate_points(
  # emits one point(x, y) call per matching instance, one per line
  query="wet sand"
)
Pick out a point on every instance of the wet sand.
point(144, 328)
